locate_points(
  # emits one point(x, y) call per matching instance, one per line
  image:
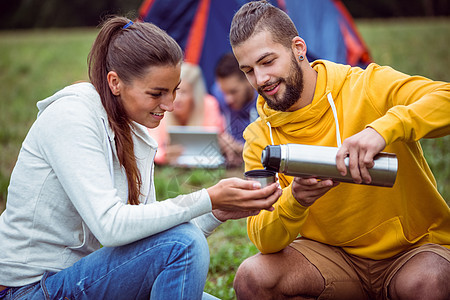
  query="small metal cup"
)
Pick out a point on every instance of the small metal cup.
point(265, 177)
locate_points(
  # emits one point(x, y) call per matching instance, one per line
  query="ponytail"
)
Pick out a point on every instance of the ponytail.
point(128, 51)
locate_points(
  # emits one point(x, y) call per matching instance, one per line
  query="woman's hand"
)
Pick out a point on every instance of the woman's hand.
point(234, 195)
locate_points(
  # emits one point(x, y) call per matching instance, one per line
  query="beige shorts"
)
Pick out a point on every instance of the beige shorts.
point(350, 277)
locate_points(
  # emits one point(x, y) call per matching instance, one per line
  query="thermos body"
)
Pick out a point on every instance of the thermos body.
point(318, 161)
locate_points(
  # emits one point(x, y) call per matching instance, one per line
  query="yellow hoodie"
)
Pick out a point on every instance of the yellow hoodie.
point(368, 221)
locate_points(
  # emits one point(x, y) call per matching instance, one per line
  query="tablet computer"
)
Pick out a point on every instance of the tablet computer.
point(200, 144)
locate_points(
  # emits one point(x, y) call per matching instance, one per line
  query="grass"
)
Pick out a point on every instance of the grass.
point(34, 64)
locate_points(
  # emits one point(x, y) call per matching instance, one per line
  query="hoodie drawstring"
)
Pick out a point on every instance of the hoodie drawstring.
point(110, 152)
point(270, 132)
point(333, 108)
point(336, 121)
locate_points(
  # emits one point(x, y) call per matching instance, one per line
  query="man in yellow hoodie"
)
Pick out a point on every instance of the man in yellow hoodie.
point(341, 241)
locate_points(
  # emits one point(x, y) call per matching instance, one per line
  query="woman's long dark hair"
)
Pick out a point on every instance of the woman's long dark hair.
point(130, 52)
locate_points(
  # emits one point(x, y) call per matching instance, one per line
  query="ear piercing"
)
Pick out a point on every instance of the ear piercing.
point(301, 57)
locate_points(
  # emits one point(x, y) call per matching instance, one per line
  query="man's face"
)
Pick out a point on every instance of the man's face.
point(271, 69)
point(237, 91)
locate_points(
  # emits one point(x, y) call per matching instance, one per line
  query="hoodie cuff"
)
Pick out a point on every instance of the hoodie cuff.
point(207, 223)
point(291, 205)
point(389, 128)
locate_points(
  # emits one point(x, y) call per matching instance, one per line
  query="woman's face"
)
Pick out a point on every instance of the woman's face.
point(183, 106)
point(146, 99)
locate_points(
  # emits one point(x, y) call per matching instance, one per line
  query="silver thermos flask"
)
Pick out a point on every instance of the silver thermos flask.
point(318, 161)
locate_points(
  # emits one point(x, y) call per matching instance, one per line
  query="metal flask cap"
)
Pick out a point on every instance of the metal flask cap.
point(265, 177)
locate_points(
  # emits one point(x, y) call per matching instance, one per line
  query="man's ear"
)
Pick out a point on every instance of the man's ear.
point(299, 46)
point(114, 83)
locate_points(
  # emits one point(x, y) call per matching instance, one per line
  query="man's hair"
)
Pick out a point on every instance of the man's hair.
point(228, 66)
point(257, 16)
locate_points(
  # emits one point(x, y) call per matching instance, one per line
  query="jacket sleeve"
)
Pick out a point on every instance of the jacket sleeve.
point(207, 223)
point(412, 107)
point(272, 231)
point(71, 142)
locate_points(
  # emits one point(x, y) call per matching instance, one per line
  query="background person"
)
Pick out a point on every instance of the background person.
point(237, 102)
point(83, 179)
point(192, 106)
point(357, 241)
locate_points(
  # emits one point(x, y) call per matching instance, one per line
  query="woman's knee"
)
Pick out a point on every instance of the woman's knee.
point(193, 237)
point(189, 243)
point(183, 242)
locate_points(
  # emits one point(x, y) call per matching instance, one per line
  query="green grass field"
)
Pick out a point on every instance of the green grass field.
point(34, 64)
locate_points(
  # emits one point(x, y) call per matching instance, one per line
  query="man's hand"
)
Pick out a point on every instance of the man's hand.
point(361, 148)
point(307, 190)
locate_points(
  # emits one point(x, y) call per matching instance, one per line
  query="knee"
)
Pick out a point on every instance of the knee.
point(245, 280)
point(422, 286)
point(430, 283)
point(249, 281)
point(191, 238)
point(184, 243)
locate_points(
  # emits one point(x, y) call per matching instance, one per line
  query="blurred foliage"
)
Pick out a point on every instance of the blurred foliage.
point(19, 14)
point(229, 245)
point(397, 8)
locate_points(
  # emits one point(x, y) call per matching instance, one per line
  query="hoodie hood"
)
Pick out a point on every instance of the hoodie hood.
point(330, 80)
point(87, 93)
point(83, 90)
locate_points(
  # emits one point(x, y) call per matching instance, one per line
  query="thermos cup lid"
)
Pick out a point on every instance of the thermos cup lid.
point(259, 173)
point(271, 158)
point(265, 177)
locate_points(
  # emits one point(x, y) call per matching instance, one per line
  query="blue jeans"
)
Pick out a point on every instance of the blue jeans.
point(170, 265)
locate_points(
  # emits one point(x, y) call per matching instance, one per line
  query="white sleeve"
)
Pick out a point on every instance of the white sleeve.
point(207, 223)
point(72, 143)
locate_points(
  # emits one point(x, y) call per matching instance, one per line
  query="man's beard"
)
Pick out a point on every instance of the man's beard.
point(294, 89)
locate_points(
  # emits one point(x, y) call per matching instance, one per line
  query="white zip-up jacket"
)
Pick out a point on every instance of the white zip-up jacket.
point(68, 193)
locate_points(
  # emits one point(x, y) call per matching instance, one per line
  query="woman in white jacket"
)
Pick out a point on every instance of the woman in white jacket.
point(84, 178)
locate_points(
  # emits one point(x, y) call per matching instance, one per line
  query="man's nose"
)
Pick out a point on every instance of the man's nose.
point(229, 99)
point(261, 77)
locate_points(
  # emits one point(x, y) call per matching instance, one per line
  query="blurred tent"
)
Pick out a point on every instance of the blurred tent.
point(201, 27)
